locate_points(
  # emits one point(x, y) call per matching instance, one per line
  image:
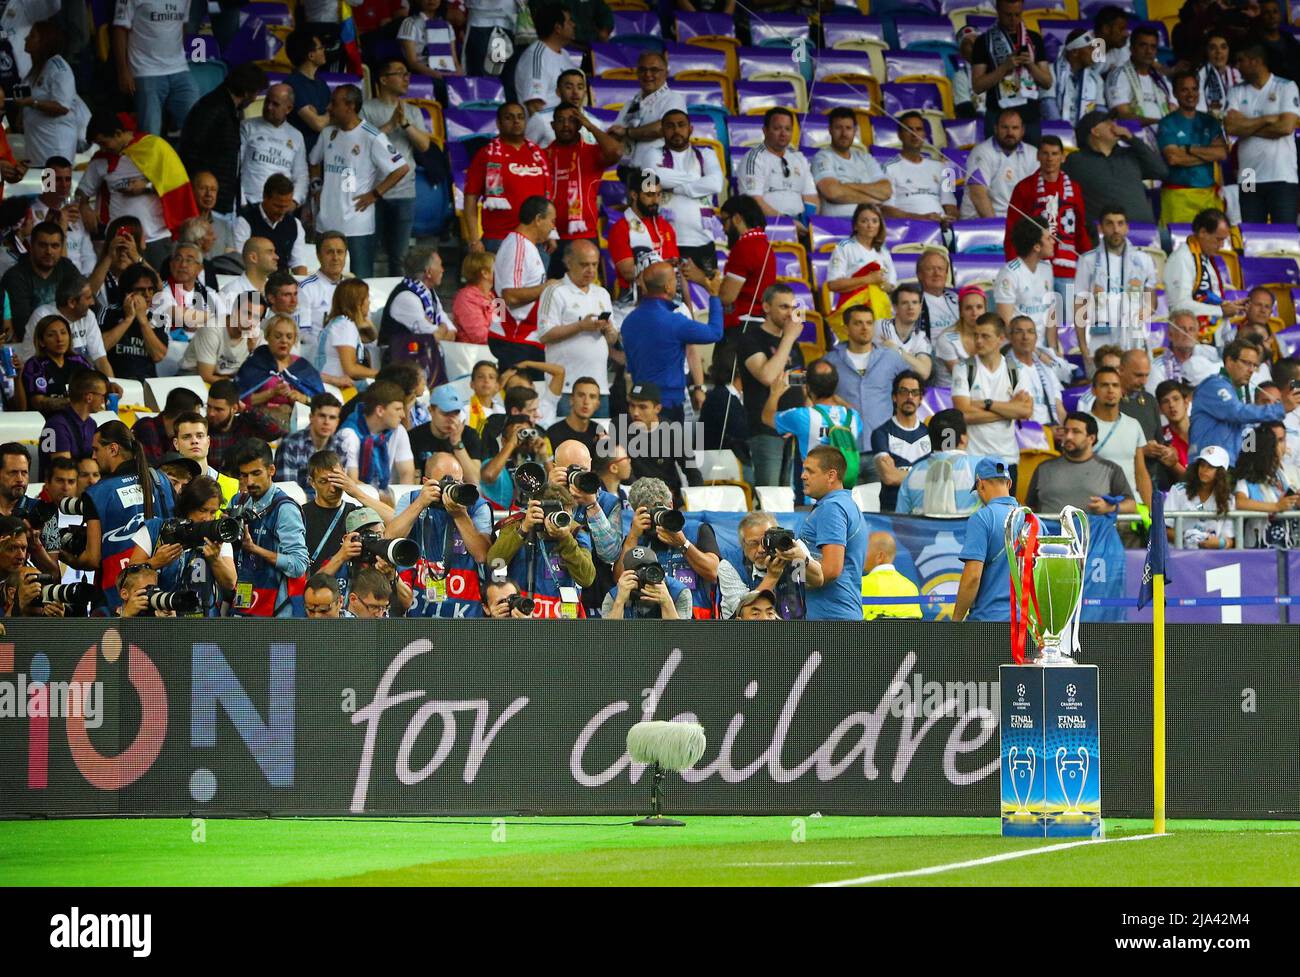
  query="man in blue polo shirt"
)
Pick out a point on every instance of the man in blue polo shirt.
point(833, 539)
point(984, 593)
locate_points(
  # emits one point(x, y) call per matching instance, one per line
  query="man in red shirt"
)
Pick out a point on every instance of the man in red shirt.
point(1054, 200)
point(576, 170)
point(503, 174)
point(642, 237)
point(751, 265)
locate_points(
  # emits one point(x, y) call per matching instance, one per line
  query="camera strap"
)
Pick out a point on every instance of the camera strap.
point(328, 533)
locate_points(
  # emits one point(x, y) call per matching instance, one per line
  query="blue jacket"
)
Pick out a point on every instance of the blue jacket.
point(1219, 417)
point(869, 393)
point(655, 340)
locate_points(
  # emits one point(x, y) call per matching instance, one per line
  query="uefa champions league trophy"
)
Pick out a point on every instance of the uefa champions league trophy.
point(1047, 583)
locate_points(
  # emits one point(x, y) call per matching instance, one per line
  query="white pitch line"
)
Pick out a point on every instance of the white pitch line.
point(975, 862)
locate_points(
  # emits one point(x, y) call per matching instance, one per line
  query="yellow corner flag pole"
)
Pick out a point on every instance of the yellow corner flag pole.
point(1158, 705)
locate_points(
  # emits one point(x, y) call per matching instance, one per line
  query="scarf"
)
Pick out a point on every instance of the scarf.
point(494, 180)
point(1213, 88)
point(1084, 88)
point(1201, 260)
point(1157, 82)
point(260, 368)
point(1017, 87)
point(432, 304)
point(372, 460)
point(574, 185)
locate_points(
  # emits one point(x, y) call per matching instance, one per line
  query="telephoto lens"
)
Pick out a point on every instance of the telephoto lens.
point(669, 520)
point(558, 519)
point(395, 552)
point(67, 593)
point(180, 601)
point(776, 540)
point(530, 479)
point(192, 535)
point(462, 493)
point(581, 480)
point(73, 507)
point(520, 603)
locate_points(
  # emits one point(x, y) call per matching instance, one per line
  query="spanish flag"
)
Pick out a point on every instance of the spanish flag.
point(160, 165)
point(348, 37)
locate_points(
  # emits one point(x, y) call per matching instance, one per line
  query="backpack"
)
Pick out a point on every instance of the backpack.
point(1012, 372)
point(841, 437)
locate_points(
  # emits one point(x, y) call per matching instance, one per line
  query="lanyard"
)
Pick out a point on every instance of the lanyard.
point(1042, 381)
point(338, 514)
point(1097, 450)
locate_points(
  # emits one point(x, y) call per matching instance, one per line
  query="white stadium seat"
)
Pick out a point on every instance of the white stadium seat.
point(867, 496)
point(294, 491)
point(158, 388)
point(133, 394)
point(402, 491)
point(719, 466)
point(24, 426)
point(380, 290)
point(461, 357)
point(34, 489)
point(775, 498)
point(718, 498)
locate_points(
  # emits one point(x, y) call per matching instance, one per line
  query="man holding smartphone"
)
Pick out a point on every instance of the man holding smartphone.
point(575, 325)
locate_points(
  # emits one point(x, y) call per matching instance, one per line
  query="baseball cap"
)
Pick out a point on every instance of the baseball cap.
point(365, 516)
point(447, 399)
point(991, 468)
point(1083, 128)
point(176, 458)
point(1214, 455)
point(646, 393)
point(751, 597)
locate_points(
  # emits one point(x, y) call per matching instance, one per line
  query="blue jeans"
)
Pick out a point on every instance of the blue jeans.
point(767, 451)
point(562, 408)
point(362, 252)
point(176, 93)
point(393, 222)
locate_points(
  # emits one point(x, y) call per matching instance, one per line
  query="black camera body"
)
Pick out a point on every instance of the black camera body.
point(461, 493)
point(669, 520)
point(192, 535)
point(520, 603)
point(642, 561)
point(72, 540)
point(554, 515)
point(777, 539)
point(581, 480)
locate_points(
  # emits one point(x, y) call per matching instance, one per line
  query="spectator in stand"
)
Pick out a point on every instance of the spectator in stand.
point(1110, 166)
point(231, 422)
point(217, 353)
point(726, 426)
point(150, 56)
point(260, 262)
point(1120, 439)
point(1263, 112)
point(311, 96)
point(765, 354)
point(272, 220)
point(656, 448)
point(1134, 372)
point(691, 178)
point(485, 399)
point(940, 311)
point(1026, 286)
point(1216, 75)
point(992, 395)
point(866, 373)
point(1221, 410)
point(270, 145)
point(116, 183)
point(575, 166)
point(136, 339)
point(579, 406)
point(210, 136)
point(1009, 62)
point(776, 175)
point(1281, 48)
point(1110, 23)
point(639, 122)
point(751, 264)
point(447, 432)
point(644, 235)
point(861, 260)
point(476, 304)
point(810, 423)
point(52, 112)
point(996, 167)
point(846, 174)
point(1263, 485)
point(1195, 278)
point(903, 332)
point(414, 320)
point(53, 205)
point(35, 279)
point(317, 291)
point(1080, 477)
point(570, 89)
point(408, 133)
point(1077, 84)
point(957, 344)
point(575, 324)
point(1035, 365)
point(1175, 399)
point(340, 356)
point(357, 166)
point(1191, 141)
point(1206, 488)
point(922, 189)
point(219, 230)
point(1137, 90)
point(504, 175)
point(519, 279)
point(186, 301)
point(155, 436)
point(836, 533)
point(69, 431)
point(426, 37)
point(1115, 289)
point(376, 448)
point(487, 17)
point(1258, 324)
point(75, 302)
point(901, 441)
point(984, 593)
point(882, 579)
point(948, 490)
point(538, 69)
point(45, 376)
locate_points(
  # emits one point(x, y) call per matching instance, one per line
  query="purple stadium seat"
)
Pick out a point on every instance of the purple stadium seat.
point(612, 56)
point(704, 25)
point(981, 22)
point(1088, 8)
point(778, 29)
point(901, 233)
point(956, 158)
point(962, 133)
point(466, 92)
point(1063, 130)
point(883, 154)
point(1260, 239)
point(421, 86)
point(1071, 396)
point(1288, 340)
point(469, 123)
point(781, 229)
point(826, 232)
point(1056, 31)
point(885, 132)
point(636, 23)
point(613, 194)
point(1158, 333)
point(753, 60)
point(692, 57)
point(819, 264)
point(843, 30)
point(606, 93)
point(830, 63)
point(1030, 436)
point(702, 93)
point(980, 235)
point(1144, 235)
point(788, 265)
point(922, 96)
point(744, 131)
point(929, 31)
point(1269, 271)
point(275, 14)
point(459, 159)
point(829, 95)
point(970, 268)
point(937, 399)
point(735, 156)
point(899, 64)
point(759, 96)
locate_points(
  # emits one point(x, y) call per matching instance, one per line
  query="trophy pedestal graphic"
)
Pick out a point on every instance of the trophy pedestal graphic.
point(1050, 732)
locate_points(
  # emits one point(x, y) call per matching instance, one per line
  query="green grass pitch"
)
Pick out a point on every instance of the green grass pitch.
point(608, 851)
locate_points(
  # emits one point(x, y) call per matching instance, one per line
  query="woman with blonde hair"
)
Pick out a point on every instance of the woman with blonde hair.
point(476, 304)
point(958, 343)
point(275, 376)
point(341, 350)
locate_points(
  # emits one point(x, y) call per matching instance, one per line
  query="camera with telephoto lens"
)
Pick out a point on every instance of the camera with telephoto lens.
point(520, 603)
point(530, 480)
point(461, 493)
point(394, 552)
point(669, 520)
point(72, 540)
point(580, 480)
point(777, 540)
point(192, 535)
point(20, 90)
point(555, 516)
point(180, 601)
point(39, 513)
point(52, 592)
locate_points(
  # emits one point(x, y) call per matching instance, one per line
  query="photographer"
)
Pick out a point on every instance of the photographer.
point(764, 568)
point(271, 565)
point(61, 485)
point(521, 441)
point(14, 475)
point(645, 591)
point(545, 550)
point(186, 557)
point(598, 511)
point(19, 590)
point(322, 598)
point(658, 526)
point(135, 584)
point(453, 537)
point(501, 599)
point(365, 537)
point(325, 513)
point(116, 506)
point(370, 596)
point(374, 445)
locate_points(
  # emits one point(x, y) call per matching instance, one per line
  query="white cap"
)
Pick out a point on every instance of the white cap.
point(1215, 456)
point(1083, 40)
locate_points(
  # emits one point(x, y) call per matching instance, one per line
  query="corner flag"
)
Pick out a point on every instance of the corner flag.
point(1157, 549)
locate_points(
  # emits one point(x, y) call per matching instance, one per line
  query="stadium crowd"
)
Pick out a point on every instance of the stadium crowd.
point(714, 256)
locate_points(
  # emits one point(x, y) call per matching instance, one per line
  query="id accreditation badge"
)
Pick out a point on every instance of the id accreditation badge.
point(569, 603)
point(437, 590)
point(244, 596)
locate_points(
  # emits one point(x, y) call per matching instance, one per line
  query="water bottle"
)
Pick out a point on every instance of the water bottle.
point(7, 361)
point(113, 401)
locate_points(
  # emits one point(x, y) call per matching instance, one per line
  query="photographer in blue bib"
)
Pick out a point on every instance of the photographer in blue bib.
point(542, 548)
point(762, 541)
point(596, 510)
point(367, 549)
point(271, 564)
point(452, 526)
point(193, 552)
point(661, 530)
